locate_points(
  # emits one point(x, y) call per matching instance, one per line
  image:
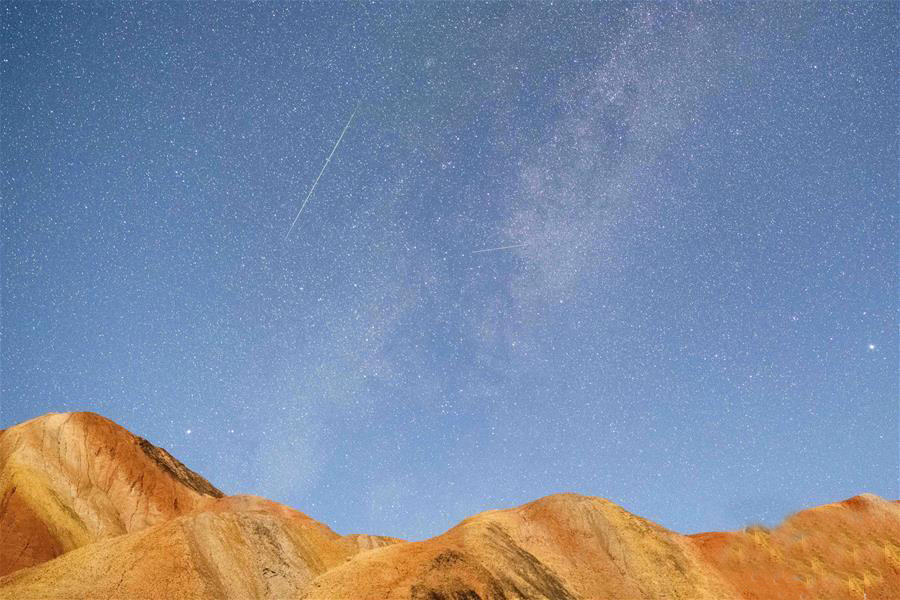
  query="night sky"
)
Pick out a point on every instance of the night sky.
point(697, 318)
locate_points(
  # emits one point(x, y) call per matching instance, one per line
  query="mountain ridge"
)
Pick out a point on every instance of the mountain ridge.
point(88, 509)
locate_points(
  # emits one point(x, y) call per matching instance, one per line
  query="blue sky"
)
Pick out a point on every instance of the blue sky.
point(698, 319)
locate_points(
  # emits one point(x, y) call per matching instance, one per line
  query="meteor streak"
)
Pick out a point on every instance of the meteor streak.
point(499, 248)
point(316, 182)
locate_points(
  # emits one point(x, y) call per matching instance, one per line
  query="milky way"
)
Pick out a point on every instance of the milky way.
point(693, 314)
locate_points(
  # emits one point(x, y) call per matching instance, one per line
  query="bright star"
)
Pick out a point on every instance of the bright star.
point(871, 347)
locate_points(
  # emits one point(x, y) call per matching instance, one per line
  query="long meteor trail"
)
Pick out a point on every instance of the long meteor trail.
point(316, 182)
point(499, 248)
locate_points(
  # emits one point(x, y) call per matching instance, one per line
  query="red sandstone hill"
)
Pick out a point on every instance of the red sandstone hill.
point(88, 510)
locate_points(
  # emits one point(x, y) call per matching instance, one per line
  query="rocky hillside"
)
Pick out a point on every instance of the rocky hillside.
point(89, 510)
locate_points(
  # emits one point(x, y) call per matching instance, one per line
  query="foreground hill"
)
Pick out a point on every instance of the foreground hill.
point(236, 547)
point(68, 480)
point(563, 547)
point(88, 510)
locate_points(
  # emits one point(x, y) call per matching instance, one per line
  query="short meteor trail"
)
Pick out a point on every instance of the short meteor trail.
point(316, 182)
point(499, 248)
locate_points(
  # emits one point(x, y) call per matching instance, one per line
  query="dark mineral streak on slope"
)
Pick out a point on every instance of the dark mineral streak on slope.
point(176, 469)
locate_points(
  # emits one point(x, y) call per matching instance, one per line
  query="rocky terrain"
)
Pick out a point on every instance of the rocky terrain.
point(88, 510)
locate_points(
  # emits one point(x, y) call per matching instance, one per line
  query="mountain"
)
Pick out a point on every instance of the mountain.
point(89, 510)
point(69, 480)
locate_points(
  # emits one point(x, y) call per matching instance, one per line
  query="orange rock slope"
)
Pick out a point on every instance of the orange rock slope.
point(88, 510)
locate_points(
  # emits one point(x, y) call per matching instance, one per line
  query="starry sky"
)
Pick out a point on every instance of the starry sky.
point(697, 318)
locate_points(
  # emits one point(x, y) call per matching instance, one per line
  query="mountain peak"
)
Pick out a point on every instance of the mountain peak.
point(70, 479)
